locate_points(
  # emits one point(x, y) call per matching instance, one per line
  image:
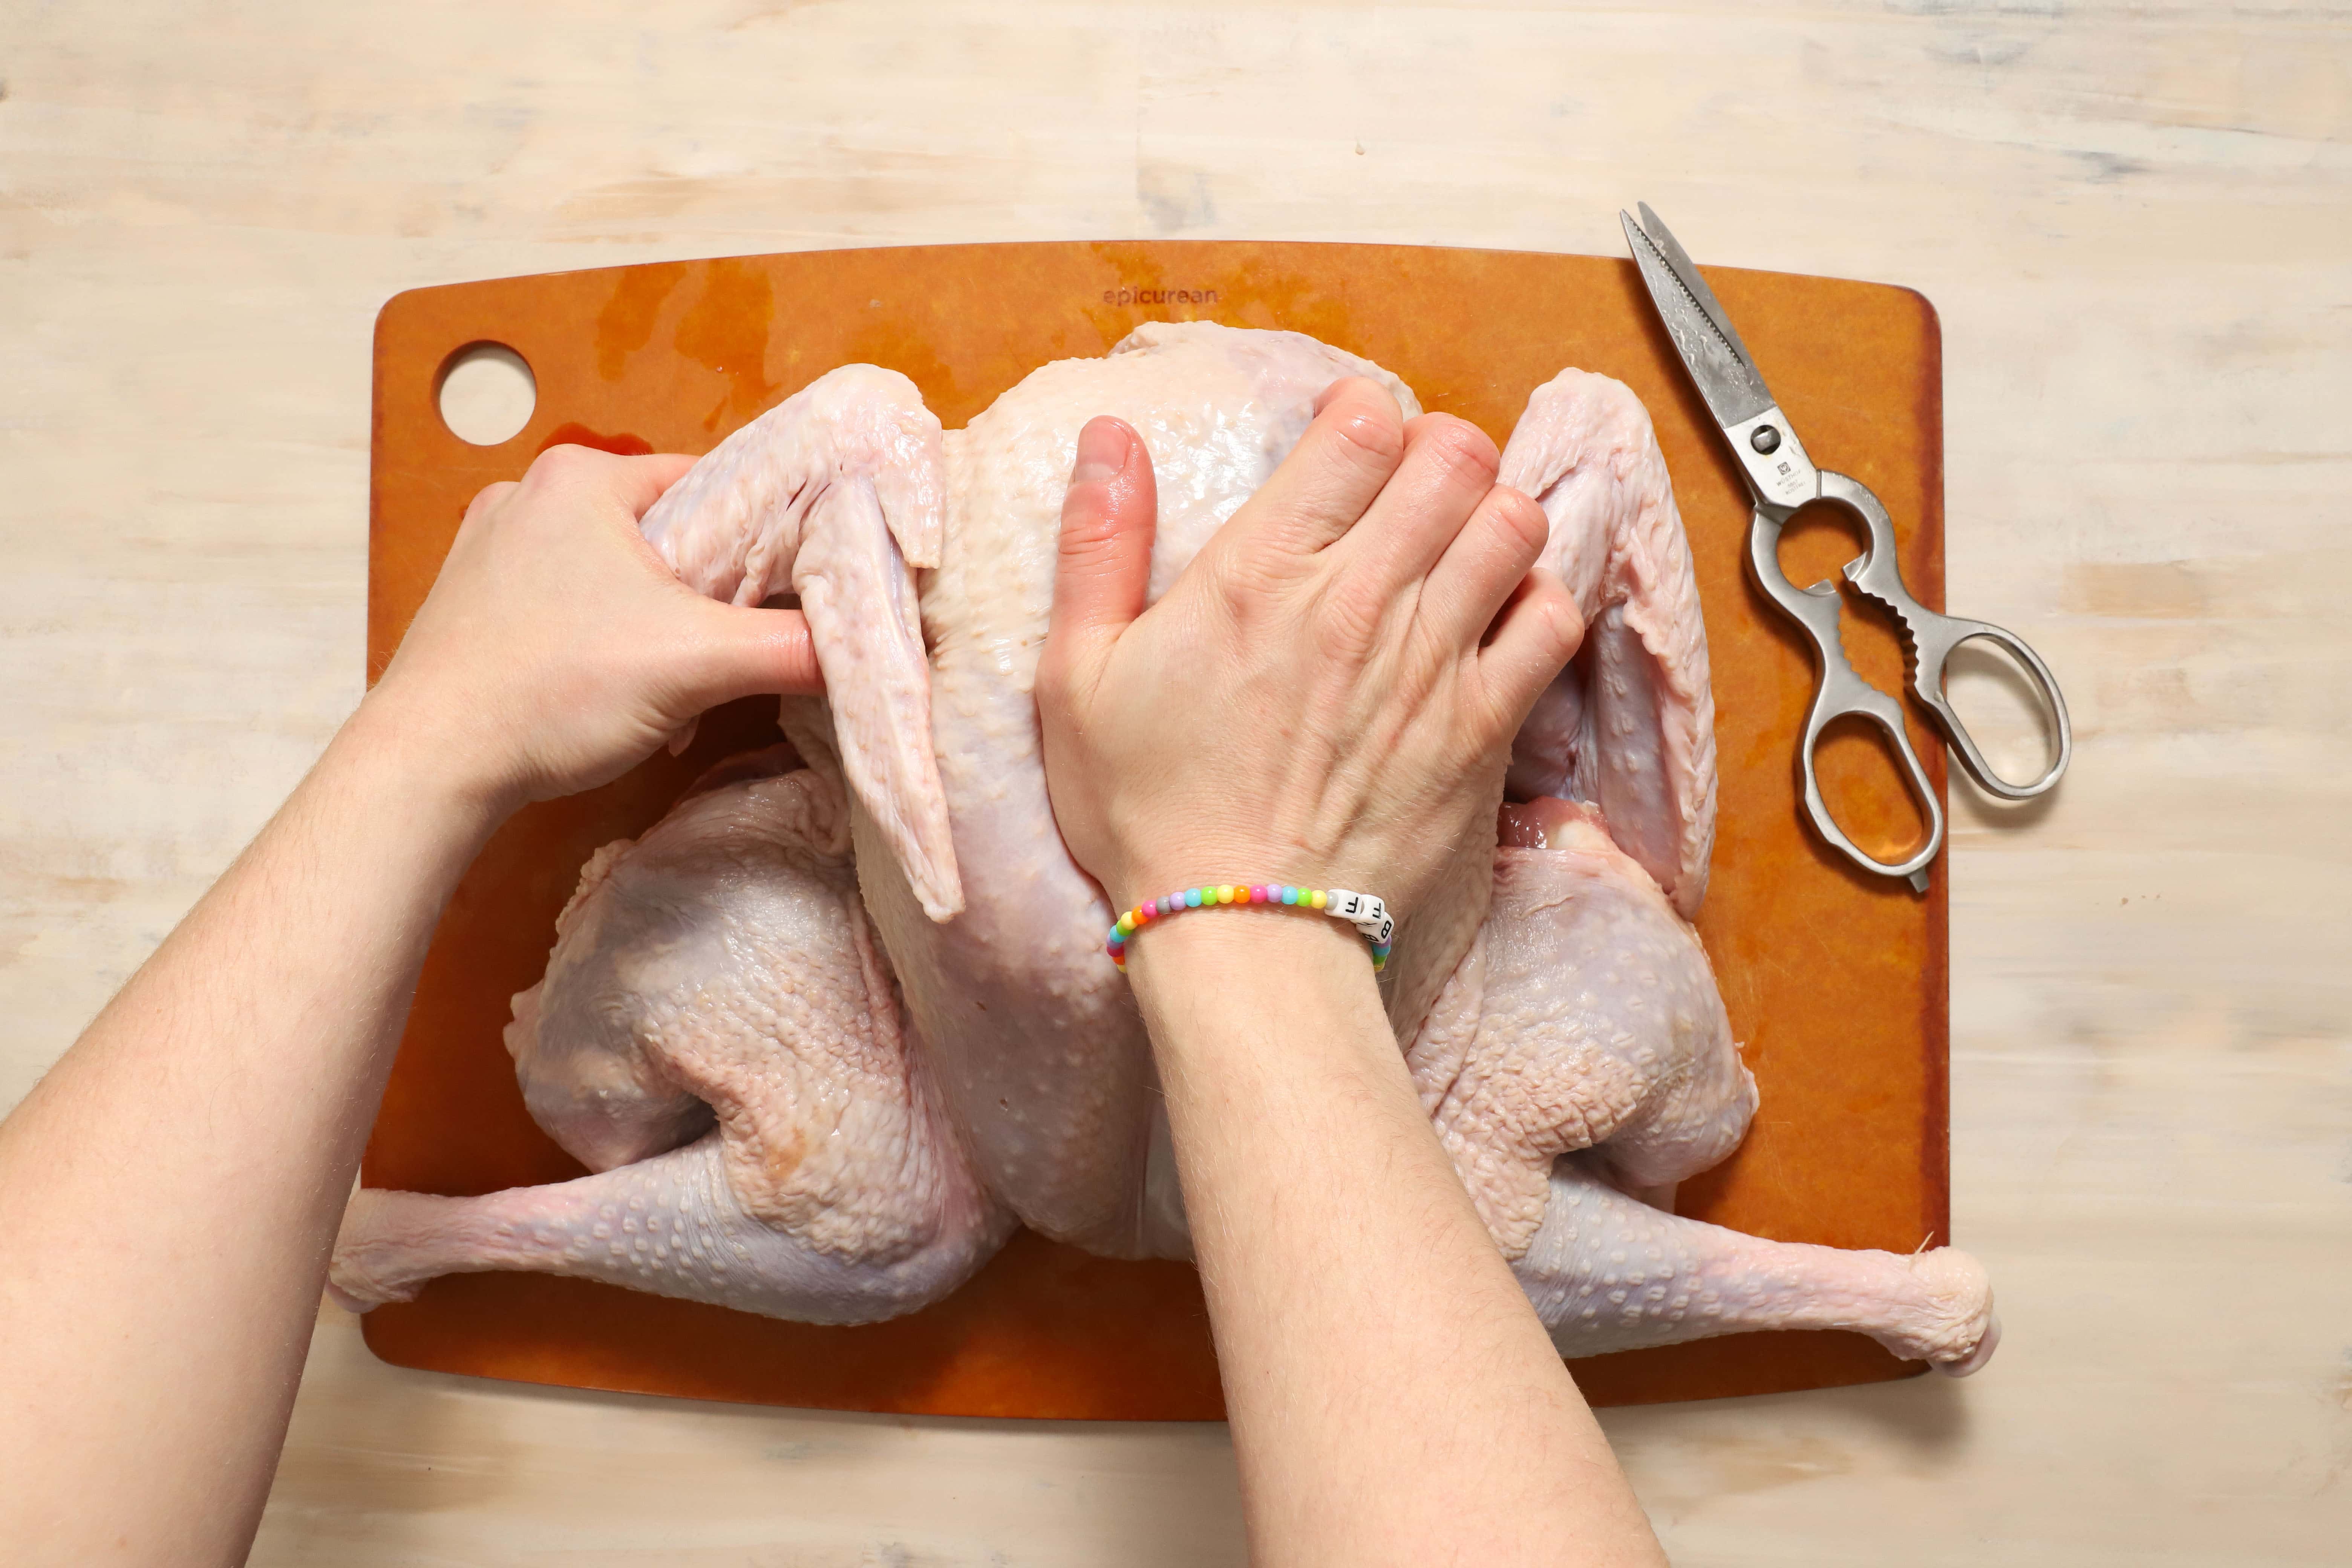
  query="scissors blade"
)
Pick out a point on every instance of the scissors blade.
point(1718, 362)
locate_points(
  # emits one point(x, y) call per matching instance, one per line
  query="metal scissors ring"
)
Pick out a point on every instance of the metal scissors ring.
point(1782, 478)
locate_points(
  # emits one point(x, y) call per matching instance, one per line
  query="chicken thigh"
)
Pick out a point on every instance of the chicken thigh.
point(716, 984)
point(827, 1032)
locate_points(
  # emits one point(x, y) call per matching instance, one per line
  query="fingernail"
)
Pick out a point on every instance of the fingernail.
point(1102, 451)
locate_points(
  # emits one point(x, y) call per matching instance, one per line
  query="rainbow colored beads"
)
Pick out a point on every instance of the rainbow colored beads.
point(1363, 910)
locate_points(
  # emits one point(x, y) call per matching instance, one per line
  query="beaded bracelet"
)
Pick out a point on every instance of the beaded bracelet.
point(1362, 910)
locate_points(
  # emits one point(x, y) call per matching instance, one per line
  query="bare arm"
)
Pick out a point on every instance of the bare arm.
point(1326, 697)
point(1393, 1398)
point(169, 1192)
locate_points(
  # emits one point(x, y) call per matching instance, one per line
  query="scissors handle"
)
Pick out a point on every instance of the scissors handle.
point(1929, 639)
point(1841, 693)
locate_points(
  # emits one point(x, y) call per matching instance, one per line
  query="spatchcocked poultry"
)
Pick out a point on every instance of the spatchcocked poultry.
point(838, 1024)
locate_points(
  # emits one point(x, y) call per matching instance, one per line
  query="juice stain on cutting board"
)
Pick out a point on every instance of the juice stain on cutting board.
point(726, 329)
point(626, 324)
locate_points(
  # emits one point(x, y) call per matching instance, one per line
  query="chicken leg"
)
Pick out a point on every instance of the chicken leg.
point(722, 961)
point(1607, 1272)
point(1586, 1016)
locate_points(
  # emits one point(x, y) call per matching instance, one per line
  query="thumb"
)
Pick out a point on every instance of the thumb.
point(735, 652)
point(1103, 568)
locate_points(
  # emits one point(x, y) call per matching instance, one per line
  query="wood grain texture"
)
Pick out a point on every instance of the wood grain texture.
point(2136, 222)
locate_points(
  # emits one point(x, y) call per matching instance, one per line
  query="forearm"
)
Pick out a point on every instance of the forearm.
point(1392, 1396)
point(169, 1193)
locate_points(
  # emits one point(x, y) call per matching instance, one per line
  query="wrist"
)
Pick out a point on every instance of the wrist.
point(1231, 995)
point(434, 774)
point(1366, 913)
point(1244, 953)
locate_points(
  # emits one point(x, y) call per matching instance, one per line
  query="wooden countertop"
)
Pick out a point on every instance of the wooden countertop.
point(2136, 221)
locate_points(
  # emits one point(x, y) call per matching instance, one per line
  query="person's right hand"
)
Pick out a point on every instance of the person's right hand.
point(556, 650)
point(1327, 695)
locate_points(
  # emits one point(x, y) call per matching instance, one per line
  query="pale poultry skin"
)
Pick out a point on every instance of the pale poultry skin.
point(830, 1030)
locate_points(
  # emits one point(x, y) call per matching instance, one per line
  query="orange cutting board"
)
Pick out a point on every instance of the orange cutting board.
point(1835, 982)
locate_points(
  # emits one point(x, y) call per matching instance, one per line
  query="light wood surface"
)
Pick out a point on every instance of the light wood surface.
point(2136, 221)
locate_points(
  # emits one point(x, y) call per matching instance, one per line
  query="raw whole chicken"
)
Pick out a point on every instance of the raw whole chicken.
point(840, 1021)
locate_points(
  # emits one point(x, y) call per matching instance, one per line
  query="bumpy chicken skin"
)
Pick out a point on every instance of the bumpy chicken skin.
point(719, 970)
point(825, 1034)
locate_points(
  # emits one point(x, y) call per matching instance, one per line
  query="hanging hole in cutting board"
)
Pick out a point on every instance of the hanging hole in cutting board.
point(486, 392)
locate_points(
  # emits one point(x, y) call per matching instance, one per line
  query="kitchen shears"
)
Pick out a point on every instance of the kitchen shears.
point(1781, 478)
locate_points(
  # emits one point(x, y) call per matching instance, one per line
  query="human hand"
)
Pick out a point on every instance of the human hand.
point(1327, 695)
point(556, 650)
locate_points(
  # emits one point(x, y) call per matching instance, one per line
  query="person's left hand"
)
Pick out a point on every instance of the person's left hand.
point(1327, 694)
point(556, 650)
